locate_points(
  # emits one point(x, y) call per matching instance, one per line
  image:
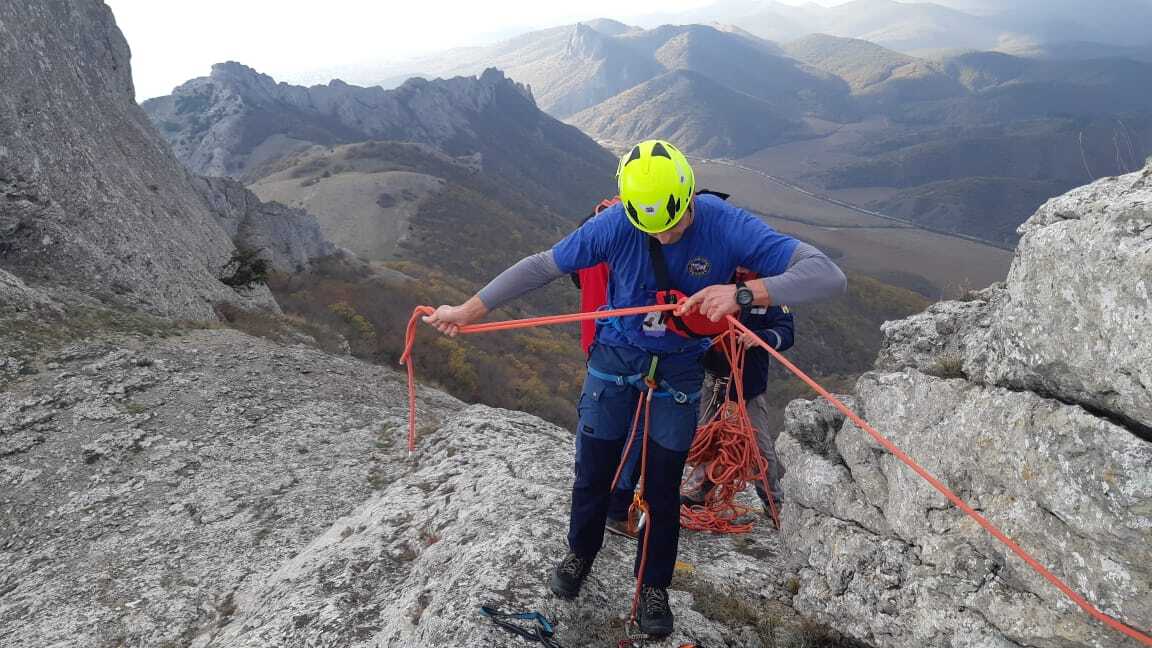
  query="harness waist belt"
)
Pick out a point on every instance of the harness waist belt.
point(637, 380)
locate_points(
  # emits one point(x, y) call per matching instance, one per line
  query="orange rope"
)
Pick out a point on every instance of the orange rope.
point(944, 490)
point(420, 311)
point(639, 504)
point(735, 324)
point(726, 449)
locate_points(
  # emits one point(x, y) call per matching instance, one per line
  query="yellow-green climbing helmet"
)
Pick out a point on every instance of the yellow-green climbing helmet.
point(656, 185)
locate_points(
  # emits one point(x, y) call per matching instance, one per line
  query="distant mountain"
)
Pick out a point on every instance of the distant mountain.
point(1119, 22)
point(1077, 50)
point(991, 208)
point(934, 26)
point(690, 109)
point(432, 172)
point(236, 120)
point(976, 87)
point(873, 71)
point(575, 67)
point(568, 68)
point(748, 65)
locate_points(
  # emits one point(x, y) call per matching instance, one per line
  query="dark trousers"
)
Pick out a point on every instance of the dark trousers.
point(606, 411)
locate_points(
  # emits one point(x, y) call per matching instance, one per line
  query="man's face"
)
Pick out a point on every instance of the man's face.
point(669, 237)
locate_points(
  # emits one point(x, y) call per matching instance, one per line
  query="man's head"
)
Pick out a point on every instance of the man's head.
point(656, 186)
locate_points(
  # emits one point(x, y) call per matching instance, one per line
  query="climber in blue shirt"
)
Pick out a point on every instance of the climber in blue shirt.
point(661, 240)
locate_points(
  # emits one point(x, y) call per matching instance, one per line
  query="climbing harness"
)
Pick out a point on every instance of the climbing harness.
point(542, 631)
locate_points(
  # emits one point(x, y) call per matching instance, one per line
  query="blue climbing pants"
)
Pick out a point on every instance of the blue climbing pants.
point(606, 409)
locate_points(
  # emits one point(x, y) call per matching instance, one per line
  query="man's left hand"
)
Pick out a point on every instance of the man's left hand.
point(713, 302)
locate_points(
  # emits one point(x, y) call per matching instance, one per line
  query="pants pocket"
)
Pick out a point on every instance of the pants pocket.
point(605, 409)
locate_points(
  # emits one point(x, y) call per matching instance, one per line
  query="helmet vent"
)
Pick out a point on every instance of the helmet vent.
point(628, 207)
point(634, 155)
point(658, 150)
point(673, 207)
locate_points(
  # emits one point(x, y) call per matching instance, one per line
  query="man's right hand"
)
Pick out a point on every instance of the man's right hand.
point(449, 319)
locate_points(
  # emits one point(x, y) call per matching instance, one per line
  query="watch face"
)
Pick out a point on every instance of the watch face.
point(744, 296)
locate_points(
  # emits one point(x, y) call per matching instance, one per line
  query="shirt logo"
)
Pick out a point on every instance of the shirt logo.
point(699, 267)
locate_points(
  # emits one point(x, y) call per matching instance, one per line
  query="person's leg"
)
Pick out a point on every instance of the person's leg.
point(662, 493)
point(598, 447)
point(673, 427)
point(621, 498)
point(766, 434)
point(606, 410)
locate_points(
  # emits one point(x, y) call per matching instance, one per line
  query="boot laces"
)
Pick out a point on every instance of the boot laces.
point(655, 600)
point(573, 566)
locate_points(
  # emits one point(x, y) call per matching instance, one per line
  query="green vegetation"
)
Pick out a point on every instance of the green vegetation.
point(537, 370)
point(245, 269)
point(192, 103)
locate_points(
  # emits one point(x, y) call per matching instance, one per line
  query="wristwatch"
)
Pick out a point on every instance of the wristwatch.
point(744, 295)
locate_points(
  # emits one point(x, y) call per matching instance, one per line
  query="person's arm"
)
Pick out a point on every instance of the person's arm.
point(781, 333)
point(777, 328)
point(809, 276)
point(528, 274)
point(582, 248)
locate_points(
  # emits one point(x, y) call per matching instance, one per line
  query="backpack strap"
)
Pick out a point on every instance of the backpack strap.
point(665, 290)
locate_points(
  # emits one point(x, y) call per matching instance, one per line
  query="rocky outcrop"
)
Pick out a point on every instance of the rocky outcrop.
point(214, 122)
point(289, 239)
point(1076, 321)
point(92, 202)
point(89, 195)
point(1030, 400)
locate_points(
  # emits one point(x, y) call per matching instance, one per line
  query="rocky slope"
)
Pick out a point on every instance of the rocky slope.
point(211, 489)
point(1031, 401)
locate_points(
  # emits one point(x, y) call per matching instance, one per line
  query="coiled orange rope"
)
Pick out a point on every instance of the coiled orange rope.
point(725, 448)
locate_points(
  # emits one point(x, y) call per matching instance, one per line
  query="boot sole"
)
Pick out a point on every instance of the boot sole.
point(560, 590)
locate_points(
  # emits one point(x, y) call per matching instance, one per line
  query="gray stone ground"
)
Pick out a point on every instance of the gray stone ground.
point(213, 489)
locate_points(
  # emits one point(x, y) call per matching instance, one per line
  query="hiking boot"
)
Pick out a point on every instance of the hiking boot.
point(569, 575)
point(655, 617)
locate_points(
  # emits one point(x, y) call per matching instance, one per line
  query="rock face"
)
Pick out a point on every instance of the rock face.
point(211, 489)
point(1031, 402)
point(92, 200)
point(288, 238)
point(1078, 313)
point(89, 194)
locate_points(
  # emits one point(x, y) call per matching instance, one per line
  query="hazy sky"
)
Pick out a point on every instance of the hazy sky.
point(175, 41)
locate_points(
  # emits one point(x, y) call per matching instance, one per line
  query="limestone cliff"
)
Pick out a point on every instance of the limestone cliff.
point(1031, 400)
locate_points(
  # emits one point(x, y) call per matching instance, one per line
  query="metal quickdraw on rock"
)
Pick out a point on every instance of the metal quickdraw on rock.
point(543, 632)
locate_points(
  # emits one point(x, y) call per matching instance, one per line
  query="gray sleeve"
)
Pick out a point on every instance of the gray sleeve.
point(526, 275)
point(811, 276)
